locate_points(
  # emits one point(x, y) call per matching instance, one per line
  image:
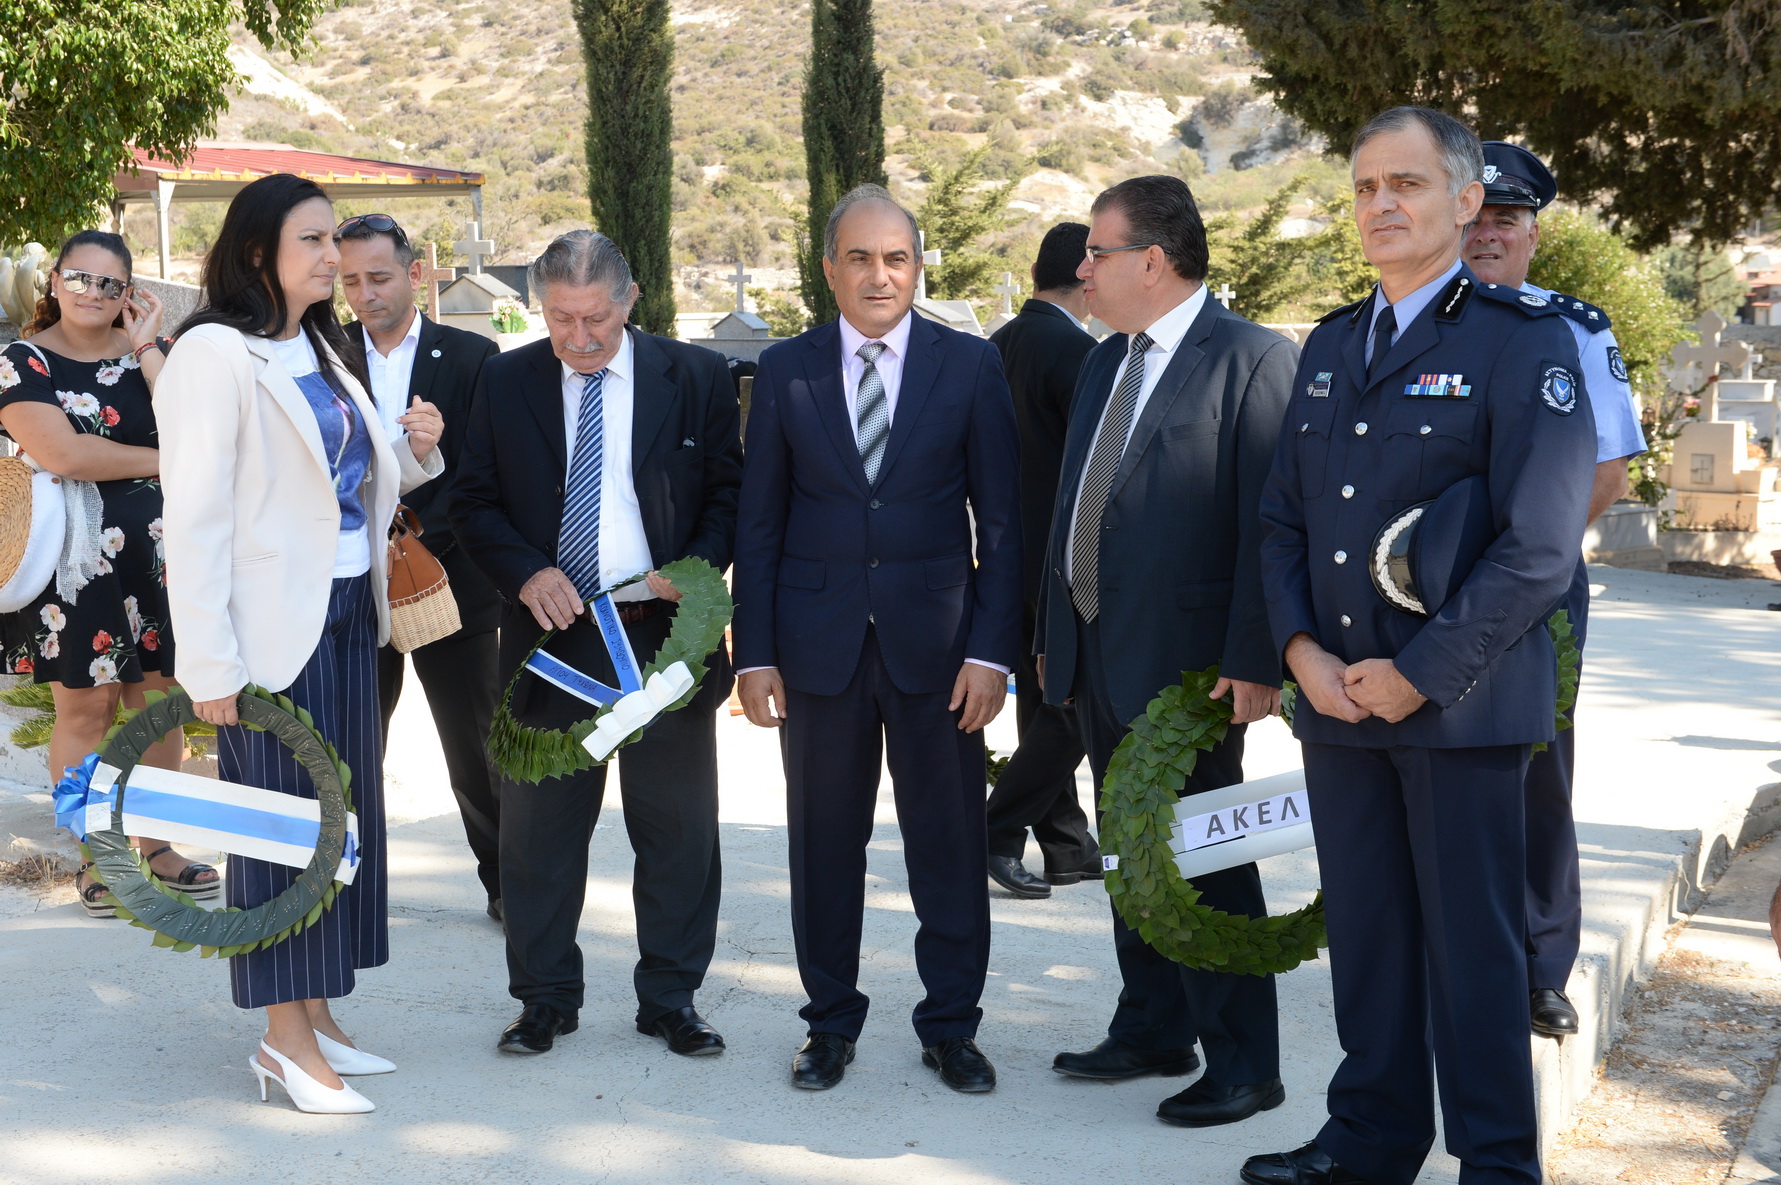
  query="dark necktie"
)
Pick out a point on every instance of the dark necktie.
point(1383, 329)
point(872, 410)
point(578, 541)
point(1103, 463)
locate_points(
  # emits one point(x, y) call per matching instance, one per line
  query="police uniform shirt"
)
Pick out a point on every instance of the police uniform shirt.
point(1617, 431)
point(1475, 384)
point(1408, 309)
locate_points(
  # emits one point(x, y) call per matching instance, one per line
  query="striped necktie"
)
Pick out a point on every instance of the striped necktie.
point(872, 411)
point(1103, 463)
point(578, 542)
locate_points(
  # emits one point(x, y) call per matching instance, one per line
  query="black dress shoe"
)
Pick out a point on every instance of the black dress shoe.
point(961, 1064)
point(1012, 875)
point(494, 911)
point(685, 1031)
point(1309, 1165)
point(1114, 1061)
point(1552, 1013)
point(1207, 1104)
point(821, 1061)
point(536, 1030)
point(1089, 870)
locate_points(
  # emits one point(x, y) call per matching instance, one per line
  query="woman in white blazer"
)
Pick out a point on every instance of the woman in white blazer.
point(278, 494)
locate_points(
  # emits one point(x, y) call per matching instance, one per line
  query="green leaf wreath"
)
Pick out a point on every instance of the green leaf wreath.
point(1570, 659)
point(528, 754)
point(179, 922)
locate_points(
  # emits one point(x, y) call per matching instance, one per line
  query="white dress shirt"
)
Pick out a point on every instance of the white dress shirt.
point(624, 548)
point(391, 375)
point(1074, 319)
point(1165, 333)
point(889, 364)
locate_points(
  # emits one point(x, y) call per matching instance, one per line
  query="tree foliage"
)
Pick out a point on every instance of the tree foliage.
point(1671, 111)
point(628, 46)
point(843, 128)
point(1263, 269)
point(960, 209)
point(82, 80)
point(1702, 278)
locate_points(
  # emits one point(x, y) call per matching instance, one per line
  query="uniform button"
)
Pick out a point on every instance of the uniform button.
point(1424, 430)
point(1305, 427)
point(872, 563)
point(1347, 621)
point(1341, 557)
point(1360, 429)
point(874, 504)
point(1348, 491)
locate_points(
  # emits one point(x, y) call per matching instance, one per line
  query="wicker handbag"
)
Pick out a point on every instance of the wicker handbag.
point(32, 527)
point(422, 608)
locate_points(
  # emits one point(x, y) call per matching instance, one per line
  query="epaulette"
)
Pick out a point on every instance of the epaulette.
point(1353, 309)
point(1581, 311)
point(1527, 302)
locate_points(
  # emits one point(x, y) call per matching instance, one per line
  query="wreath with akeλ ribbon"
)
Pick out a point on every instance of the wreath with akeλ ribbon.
point(668, 682)
point(109, 795)
point(1144, 781)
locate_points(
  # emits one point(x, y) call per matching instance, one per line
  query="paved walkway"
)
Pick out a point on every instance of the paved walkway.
point(126, 1064)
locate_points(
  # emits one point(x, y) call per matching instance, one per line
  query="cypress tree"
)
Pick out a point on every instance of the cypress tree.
point(628, 47)
point(843, 128)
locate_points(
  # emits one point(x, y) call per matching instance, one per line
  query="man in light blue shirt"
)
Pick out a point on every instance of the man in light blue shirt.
point(1499, 248)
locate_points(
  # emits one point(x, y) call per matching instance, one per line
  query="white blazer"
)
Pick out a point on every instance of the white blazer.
point(250, 518)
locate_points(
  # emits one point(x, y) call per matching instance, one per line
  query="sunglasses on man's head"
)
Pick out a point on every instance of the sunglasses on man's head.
point(381, 224)
point(77, 282)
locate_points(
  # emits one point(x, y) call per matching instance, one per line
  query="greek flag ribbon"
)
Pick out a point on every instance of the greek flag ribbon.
point(561, 675)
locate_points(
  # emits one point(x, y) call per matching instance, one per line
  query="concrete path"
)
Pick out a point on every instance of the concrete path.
point(122, 1063)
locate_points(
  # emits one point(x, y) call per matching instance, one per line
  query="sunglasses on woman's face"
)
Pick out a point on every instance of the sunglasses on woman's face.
point(110, 287)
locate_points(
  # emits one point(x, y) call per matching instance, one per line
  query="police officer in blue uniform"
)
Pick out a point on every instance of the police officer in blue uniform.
point(1416, 717)
point(1499, 248)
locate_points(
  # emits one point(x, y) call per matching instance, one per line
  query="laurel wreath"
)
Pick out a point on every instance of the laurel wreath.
point(179, 922)
point(528, 754)
point(1570, 659)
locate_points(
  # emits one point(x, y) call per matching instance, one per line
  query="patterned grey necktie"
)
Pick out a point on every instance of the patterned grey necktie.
point(872, 411)
point(1103, 463)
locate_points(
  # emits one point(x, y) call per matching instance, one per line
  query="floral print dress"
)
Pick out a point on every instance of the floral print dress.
point(116, 627)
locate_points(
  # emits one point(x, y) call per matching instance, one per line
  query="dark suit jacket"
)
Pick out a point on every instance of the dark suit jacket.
point(686, 463)
point(819, 551)
point(447, 363)
point(1180, 573)
point(1042, 351)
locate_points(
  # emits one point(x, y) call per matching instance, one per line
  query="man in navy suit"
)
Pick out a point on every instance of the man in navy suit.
point(868, 618)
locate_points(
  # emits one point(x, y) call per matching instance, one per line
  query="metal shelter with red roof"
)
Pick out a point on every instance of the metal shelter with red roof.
point(216, 172)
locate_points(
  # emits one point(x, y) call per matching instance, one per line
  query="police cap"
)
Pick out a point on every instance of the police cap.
point(1513, 176)
point(1424, 553)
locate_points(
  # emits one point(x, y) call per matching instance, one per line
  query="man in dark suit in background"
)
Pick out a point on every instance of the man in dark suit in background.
point(861, 617)
point(1042, 349)
point(592, 456)
point(1154, 568)
point(413, 357)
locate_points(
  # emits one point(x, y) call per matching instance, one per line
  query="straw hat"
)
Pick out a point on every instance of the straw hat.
point(31, 530)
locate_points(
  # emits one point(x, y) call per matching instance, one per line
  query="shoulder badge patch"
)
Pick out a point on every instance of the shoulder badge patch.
point(1558, 387)
point(1532, 301)
point(1616, 364)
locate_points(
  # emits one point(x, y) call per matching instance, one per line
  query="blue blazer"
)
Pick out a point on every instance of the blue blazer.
point(819, 552)
point(1483, 381)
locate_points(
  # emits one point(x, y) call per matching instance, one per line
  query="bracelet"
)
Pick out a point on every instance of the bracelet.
point(164, 344)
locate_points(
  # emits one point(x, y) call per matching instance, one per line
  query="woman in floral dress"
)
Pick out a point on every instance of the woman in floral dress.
point(75, 398)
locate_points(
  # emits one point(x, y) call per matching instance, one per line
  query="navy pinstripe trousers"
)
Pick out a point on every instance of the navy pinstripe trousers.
point(339, 687)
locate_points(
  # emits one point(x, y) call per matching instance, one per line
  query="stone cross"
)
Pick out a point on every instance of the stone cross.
point(432, 275)
point(1007, 290)
point(1692, 366)
point(928, 259)
point(1226, 293)
point(741, 279)
point(475, 246)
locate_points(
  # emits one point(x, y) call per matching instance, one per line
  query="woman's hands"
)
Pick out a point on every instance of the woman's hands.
point(217, 711)
point(143, 311)
point(424, 424)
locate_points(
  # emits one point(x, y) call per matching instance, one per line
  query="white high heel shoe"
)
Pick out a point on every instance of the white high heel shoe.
point(344, 1059)
point(308, 1094)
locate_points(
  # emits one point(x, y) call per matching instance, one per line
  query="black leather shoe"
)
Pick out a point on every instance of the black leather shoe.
point(536, 1030)
point(1089, 870)
point(1309, 1165)
point(1207, 1104)
point(961, 1064)
point(1114, 1061)
point(1552, 1013)
point(685, 1031)
point(494, 911)
point(1012, 875)
point(821, 1061)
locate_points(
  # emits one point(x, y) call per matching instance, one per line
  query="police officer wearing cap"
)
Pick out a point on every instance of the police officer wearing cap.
point(1432, 399)
point(1501, 244)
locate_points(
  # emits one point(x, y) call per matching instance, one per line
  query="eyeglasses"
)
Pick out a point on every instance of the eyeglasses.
point(110, 287)
point(1093, 254)
point(381, 224)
